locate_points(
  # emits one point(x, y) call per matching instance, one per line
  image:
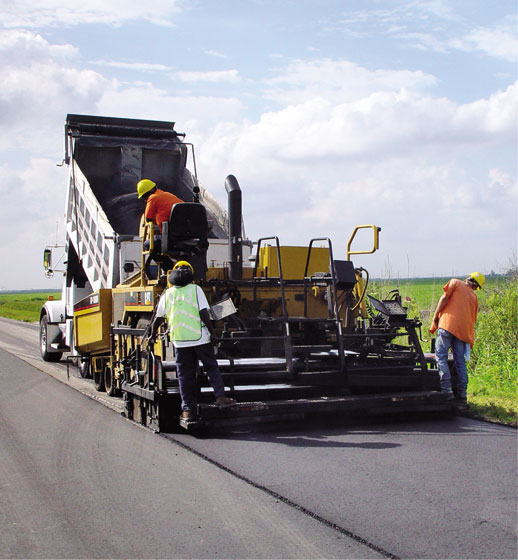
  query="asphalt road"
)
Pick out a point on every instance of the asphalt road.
point(77, 480)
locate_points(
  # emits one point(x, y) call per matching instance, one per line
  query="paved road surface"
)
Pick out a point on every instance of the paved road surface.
point(426, 489)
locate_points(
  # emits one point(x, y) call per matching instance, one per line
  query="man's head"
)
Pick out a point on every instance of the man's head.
point(145, 187)
point(182, 274)
point(476, 280)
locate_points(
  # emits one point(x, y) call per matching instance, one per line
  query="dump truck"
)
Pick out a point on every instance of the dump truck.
point(297, 332)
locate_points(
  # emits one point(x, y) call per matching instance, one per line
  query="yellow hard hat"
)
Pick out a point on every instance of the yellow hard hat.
point(183, 263)
point(144, 186)
point(479, 279)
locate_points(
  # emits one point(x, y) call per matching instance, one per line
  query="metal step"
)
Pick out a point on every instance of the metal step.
point(241, 364)
point(311, 348)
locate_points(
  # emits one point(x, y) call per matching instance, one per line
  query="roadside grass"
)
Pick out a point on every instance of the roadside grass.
point(24, 306)
point(493, 368)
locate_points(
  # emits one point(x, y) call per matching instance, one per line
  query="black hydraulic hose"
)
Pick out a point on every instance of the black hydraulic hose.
point(362, 297)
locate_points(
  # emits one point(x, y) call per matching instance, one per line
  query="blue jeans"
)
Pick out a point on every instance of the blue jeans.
point(187, 363)
point(444, 341)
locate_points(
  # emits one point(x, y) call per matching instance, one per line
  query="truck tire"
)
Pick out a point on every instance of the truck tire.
point(45, 354)
point(109, 382)
point(84, 369)
point(98, 377)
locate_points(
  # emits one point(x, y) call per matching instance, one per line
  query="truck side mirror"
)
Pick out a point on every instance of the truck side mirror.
point(47, 259)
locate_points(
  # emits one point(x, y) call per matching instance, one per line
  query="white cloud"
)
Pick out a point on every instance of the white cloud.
point(216, 54)
point(433, 26)
point(39, 85)
point(394, 158)
point(395, 20)
point(339, 81)
point(500, 41)
point(213, 76)
point(146, 101)
point(132, 66)
point(380, 125)
point(32, 111)
point(345, 145)
point(55, 13)
point(496, 115)
point(31, 222)
point(502, 183)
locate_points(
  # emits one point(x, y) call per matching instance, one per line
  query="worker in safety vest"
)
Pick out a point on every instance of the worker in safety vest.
point(454, 320)
point(185, 308)
point(158, 202)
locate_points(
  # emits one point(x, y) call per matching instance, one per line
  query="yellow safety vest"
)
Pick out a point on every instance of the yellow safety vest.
point(183, 314)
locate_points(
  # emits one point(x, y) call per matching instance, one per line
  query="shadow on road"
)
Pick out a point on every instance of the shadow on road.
point(321, 432)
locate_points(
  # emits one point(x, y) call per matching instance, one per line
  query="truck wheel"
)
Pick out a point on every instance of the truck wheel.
point(109, 382)
point(45, 354)
point(98, 377)
point(84, 369)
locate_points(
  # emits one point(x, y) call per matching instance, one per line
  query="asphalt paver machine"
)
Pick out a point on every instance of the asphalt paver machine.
point(297, 333)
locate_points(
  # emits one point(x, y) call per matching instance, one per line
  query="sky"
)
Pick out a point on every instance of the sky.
point(330, 113)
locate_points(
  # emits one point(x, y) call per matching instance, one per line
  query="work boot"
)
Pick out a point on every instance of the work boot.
point(449, 396)
point(224, 402)
point(187, 415)
point(462, 403)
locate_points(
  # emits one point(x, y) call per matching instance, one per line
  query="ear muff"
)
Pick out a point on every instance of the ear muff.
point(181, 276)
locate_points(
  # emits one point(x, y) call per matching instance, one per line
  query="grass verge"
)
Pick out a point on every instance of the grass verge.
point(24, 306)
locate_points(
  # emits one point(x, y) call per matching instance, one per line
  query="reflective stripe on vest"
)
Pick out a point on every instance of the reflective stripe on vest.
point(182, 312)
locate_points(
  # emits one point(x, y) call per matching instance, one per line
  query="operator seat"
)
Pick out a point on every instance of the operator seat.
point(184, 237)
point(185, 234)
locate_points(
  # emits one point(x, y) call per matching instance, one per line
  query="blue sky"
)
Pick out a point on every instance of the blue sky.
point(329, 113)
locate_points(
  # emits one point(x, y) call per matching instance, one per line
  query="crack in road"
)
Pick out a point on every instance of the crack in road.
point(283, 499)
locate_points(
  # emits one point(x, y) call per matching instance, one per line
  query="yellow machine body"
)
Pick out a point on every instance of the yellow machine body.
point(92, 320)
point(293, 261)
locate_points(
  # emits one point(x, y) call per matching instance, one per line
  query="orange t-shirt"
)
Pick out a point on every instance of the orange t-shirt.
point(158, 206)
point(460, 313)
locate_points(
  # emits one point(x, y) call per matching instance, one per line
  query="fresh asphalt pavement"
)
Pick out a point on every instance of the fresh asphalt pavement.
point(77, 480)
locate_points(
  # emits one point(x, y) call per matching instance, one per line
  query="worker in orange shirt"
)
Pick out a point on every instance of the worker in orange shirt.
point(158, 210)
point(158, 202)
point(454, 320)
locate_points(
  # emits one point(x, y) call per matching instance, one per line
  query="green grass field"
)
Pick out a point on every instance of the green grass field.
point(24, 306)
point(493, 369)
point(421, 295)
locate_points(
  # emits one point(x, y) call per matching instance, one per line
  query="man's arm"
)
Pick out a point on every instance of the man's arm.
point(440, 307)
point(155, 325)
point(150, 210)
point(158, 320)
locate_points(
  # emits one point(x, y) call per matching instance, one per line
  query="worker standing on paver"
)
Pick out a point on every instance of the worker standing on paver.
point(186, 310)
point(454, 320)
